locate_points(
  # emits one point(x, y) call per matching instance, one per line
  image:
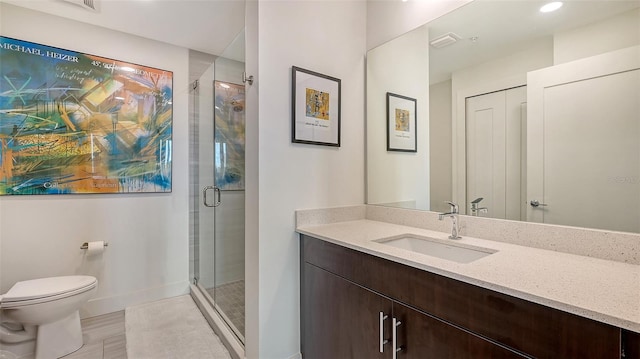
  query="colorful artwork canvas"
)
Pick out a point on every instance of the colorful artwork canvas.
point(317, 104)
point(229, 136)
point(402, 120)
point(77, 123)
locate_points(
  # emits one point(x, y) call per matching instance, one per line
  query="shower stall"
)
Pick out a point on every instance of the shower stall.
point(217, 203)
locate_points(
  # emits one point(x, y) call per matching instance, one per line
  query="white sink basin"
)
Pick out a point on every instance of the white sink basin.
point(437, 248)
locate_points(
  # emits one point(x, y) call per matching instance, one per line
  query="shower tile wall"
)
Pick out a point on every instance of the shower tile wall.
point(229, 258)
point(229, 252)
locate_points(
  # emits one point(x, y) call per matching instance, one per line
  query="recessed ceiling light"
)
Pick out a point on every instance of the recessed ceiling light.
point(552, 6)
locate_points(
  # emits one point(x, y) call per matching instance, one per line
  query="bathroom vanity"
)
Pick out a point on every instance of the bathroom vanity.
point(364, 298)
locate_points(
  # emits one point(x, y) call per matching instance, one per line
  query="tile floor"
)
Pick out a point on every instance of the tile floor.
point(104, 338)
point(171, 328)
point(230, 298)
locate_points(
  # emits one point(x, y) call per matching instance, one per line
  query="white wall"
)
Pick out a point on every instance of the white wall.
point(40, 236)
point(538, 55)
point(612, 34)
point(440, 145)
point(327, 37)
point(400, 66)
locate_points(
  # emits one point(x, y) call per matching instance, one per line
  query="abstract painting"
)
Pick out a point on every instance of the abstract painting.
point(402, 120)
point(229, 135)
point(317, 104)
point(77, 123)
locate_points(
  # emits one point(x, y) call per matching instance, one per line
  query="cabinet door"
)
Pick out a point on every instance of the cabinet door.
point(422, 336)
point(630, 344)
point(341, 319)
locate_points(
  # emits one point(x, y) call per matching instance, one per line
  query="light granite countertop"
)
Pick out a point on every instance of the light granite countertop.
point(599, 289)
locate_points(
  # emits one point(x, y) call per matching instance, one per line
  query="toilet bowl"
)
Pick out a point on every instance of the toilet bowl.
point(51, 305)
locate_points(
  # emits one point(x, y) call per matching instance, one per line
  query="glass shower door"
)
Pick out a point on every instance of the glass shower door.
point(229, 145)
point(218, 169)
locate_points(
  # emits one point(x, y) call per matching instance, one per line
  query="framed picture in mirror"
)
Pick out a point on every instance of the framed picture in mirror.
point(316, 108)
point(401, 123)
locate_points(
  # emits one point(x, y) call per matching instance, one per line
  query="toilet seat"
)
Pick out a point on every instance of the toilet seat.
point(46, 289)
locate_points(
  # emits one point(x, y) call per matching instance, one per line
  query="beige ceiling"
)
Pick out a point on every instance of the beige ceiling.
point(204, 25)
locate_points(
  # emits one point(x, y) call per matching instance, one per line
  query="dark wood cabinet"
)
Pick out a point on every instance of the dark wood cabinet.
point(630, 345)
point(341, 319)
point(423, 336)
point(343, 292)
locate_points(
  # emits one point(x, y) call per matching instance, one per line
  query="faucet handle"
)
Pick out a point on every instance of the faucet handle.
point(454, 207)
point(474, 204)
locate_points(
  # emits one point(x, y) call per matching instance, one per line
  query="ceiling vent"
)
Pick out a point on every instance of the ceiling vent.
point(445, 40)
point(91, 5)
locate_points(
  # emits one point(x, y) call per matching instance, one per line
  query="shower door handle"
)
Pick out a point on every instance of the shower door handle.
point(218, 196)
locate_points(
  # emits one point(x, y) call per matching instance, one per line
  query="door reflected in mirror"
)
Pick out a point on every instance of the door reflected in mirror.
point(527, 108)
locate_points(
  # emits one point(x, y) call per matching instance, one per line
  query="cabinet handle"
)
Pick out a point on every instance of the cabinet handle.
point(383, 341)
point(394, 325)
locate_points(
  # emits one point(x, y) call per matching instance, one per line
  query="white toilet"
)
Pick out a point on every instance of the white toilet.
point(46, 310)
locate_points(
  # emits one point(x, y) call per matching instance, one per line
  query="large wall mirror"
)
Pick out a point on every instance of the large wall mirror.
point(532, 115)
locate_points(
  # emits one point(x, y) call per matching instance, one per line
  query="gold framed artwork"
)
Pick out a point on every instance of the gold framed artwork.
point(315, 108)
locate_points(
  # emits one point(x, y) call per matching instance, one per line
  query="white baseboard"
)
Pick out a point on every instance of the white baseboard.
point(104, 305)
point(295, 356)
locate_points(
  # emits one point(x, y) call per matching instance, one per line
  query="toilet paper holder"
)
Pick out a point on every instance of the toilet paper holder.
point(85, 245)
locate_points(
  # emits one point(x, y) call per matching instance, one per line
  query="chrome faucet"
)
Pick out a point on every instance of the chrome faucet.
point(475, 210)
point(453, 213)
